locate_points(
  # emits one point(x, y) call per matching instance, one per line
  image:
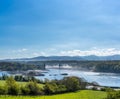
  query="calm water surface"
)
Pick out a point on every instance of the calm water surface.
point(105, 79)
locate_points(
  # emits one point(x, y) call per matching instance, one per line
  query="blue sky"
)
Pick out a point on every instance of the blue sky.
point(30, 28)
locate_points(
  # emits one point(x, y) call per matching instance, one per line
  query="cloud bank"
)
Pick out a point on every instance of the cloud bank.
point(27, 53)
point(94, 51)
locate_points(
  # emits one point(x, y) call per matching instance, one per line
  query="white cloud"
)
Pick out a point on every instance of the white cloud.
point(20, 50)
point(25, 53)
point(35, 54)
point(93, 51)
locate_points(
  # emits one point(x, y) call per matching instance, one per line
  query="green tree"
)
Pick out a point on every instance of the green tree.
point(12, 86)
point(71, 83)
point(25, 90)
point(112, 94)
point(33, 88)
point(3, 90)
point(50, 88)
point(61, 89)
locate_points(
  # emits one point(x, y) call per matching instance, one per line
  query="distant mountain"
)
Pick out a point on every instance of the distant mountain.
point(68, 58)
point(48, 58)
point(93, 57)
point(113, 57)
point(43, 58)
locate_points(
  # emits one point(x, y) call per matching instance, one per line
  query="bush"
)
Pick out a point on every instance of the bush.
point(106, 89)
point(68, 84)
point(12, 87)
point(61, 89)
point(25, 90)
point(3, 90)
point(111, 94)
point(50, 88)
point(71, 83)
point(32, 88)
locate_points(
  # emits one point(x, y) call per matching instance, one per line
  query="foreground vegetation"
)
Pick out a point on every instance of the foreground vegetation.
point(112, 94)
point(67, 84)
point(83, 94)
point(67, 88)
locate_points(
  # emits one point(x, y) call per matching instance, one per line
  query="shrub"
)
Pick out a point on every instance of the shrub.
point(12, 87)
point(71, 83)
point(50, 88)
point(25, 90)
point(3, 90)
point(61, 89)
point(32, 88)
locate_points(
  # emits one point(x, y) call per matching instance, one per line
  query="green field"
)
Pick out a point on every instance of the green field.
point(2, 82)
point(84, 94)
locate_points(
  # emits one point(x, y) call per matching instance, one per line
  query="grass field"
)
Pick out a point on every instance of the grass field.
point(84, 94)
point(2, 82)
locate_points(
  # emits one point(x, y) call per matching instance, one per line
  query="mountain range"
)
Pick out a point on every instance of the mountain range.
point(68, 58)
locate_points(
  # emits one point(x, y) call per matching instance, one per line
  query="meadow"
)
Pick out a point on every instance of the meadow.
point(2, 82)
point(83, 94)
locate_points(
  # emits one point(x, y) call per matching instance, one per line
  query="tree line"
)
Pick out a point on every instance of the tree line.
point(98, 66)
point(17, 66)
point(21, 78)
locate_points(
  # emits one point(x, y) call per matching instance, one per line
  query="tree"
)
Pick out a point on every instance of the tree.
point(25, 90)
point(50, 88)
point(71, 83)
point(33, 88)
point(3, 90)
point(12, 86)
point(61, 89)
point(112, 94)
